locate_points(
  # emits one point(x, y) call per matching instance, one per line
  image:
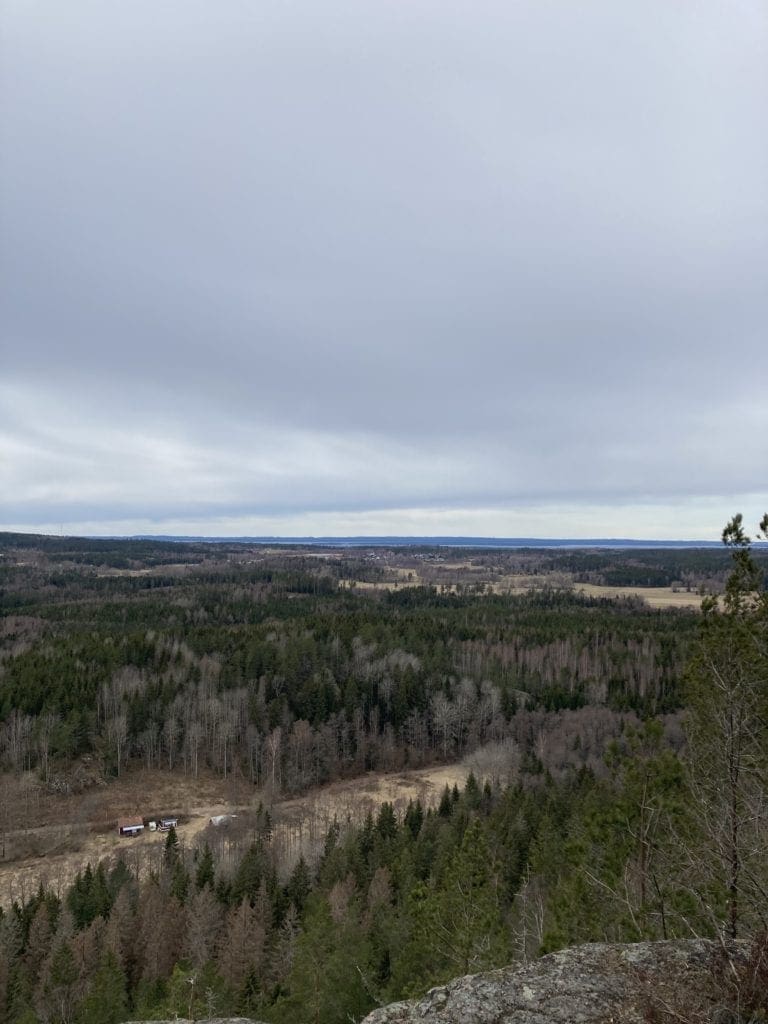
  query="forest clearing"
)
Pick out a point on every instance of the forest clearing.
point(61, 834)
point(656, 597)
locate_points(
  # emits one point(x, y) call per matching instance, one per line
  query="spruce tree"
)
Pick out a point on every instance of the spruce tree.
point(414, 817)
point(299, 885)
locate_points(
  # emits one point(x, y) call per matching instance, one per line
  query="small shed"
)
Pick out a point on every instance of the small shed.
point(129, 826)
point(166, 824)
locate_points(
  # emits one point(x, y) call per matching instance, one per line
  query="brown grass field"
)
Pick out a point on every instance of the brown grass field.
point(656, 597)
point(47, 839)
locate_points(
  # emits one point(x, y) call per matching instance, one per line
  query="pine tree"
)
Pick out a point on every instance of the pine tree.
point(365, 837)
point(727, 730)
point(118, 877)
point(279, 962)
point(19, 980)
point(77, 897)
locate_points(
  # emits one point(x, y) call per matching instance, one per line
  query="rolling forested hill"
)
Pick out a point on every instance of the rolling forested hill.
point(600, 807)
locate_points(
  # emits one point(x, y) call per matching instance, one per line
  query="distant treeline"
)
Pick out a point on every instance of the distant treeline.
point(689, 567)
point(628, 566)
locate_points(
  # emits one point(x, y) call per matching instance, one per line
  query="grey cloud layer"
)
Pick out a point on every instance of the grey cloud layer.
point(276, 258)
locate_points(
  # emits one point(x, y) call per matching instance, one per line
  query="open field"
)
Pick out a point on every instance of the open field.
point(656, 597)
point(60, 835)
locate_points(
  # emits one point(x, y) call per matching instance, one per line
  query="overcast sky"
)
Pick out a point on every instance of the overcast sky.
point(492, 268)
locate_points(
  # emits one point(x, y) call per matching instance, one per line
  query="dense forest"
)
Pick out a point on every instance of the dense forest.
point(623, 796)
point(267, 663)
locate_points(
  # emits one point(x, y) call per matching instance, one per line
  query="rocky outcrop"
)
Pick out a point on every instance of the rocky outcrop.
point(591, 984)
point(208, 1020)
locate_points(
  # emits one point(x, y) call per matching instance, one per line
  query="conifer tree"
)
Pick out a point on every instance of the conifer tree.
point(204, 873)
point(648, 806)
point(250, 872)
point(328, 982)
point(472, 791)
point(106, 1001)
point(386, 822)
point(384, 932)
point(101, 896)
point(414, 817)
point(118, 877)
point(459, 923)
point(171, 852)
point(727, 730)
point(299, 884)
point(174, 867)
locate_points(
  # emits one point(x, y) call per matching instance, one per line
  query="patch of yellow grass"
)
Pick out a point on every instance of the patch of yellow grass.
point(656, 597)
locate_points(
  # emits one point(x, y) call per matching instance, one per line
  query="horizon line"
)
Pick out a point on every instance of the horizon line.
point(379, 540)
